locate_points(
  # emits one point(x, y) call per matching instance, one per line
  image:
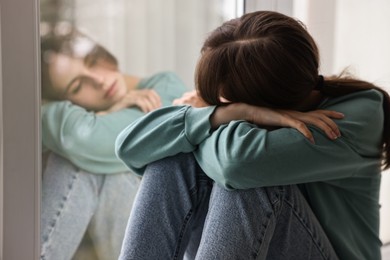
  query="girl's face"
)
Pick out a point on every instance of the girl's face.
point(95, 88)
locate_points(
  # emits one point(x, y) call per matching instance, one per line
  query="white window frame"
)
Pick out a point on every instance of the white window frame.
point(20, 168)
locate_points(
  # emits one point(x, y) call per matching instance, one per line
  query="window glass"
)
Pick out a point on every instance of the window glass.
point(105, 64)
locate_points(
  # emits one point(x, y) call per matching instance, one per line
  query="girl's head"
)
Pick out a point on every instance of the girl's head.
point(75, 68)
point(263, 58)
point(269, 59)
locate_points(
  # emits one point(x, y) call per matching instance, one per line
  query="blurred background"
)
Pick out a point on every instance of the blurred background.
point(147, 36)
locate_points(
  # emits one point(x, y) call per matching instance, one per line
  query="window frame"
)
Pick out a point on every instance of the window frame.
point(20, 169)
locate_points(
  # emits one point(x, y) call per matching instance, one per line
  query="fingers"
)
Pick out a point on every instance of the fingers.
point(190, 98)
point(185, 98)
point(145, 104)
point(179, 101)
point(323, 119)
point(327, 124)
point(154, 99)
point(301, 127)
point(273, 117)
point(148, 101)
point(331, 114)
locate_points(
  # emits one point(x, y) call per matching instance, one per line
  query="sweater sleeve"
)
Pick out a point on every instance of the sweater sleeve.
point(87, 139)
point(163, 133)
point(84, 138)
point(240, 155)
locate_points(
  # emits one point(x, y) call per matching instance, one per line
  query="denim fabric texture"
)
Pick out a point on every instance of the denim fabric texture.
point(180, 213)
point(75, 202)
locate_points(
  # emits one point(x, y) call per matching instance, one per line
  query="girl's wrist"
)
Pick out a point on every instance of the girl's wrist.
point(225, 114)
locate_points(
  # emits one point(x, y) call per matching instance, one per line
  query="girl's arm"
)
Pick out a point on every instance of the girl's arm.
point(242, 155)
point(145, 99)
point(84, 138)
point(162, 133)
point(266, 117)
point(181, 129)
point(87, 139)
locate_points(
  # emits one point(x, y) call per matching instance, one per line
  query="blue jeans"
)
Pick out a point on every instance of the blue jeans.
point(74, 202)
point(179, 212)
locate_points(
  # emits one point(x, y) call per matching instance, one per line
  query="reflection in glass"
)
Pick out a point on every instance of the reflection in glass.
point(145, 36)
point(105, 64)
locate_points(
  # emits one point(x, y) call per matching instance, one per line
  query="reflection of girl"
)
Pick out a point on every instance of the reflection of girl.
point(85, 187)
point(285, 196)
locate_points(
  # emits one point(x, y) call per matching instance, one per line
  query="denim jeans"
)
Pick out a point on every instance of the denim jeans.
point(179, 212)
point(74, 202)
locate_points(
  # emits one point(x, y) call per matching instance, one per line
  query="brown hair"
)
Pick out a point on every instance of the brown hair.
point(269, 59)
point(66, 44)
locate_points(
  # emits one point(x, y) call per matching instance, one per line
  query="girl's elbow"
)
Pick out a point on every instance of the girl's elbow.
point(239, 178)
point(119, 152)
point(120, 149)
point(231, 178)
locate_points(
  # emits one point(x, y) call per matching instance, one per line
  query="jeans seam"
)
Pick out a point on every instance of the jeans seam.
point(275, 202)
point(265, 226)
point(303, 222)
point(192, 191)
point(181, 234)
point(53, 222)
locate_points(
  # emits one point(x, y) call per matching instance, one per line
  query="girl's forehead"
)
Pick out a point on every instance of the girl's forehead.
point(62, 63)
point(63, 69)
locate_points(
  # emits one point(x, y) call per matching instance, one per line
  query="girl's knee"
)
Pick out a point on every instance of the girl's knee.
point(264, 197)
point(173, 165)
point(181, 169)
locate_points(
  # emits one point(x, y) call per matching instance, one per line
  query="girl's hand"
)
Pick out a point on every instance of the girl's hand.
point(279, 118)
point(319, 118)
point(190, 98)
point(146, 99)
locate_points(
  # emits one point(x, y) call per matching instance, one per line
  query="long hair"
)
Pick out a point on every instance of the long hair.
point(73, 44)
point(269, 59)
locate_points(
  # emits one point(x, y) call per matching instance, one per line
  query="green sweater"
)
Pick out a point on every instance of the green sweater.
point(339, 178)
point(88, 140)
